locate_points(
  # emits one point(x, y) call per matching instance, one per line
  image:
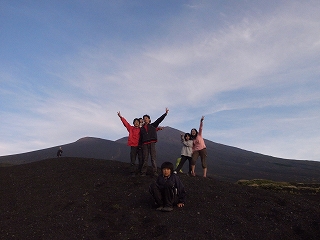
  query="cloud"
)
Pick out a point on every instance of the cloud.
point(257, 65)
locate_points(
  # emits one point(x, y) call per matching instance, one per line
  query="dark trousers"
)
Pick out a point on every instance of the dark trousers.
point(166, 196)
point(149, 149)
point(136, 151)
point(182, 161)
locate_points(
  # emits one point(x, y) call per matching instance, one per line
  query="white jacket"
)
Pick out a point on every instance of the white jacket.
point(187, 147)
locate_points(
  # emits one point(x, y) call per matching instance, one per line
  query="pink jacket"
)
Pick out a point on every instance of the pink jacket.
point(198, 143)
point(134, 133)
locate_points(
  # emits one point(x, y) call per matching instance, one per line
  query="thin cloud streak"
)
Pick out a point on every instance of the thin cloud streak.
point(260, 60)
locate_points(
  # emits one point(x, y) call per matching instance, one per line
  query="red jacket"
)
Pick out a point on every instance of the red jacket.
point(134, 133)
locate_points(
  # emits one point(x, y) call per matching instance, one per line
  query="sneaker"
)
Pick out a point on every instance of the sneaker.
point(167, 209)
point(175, 172)
point(159, 208)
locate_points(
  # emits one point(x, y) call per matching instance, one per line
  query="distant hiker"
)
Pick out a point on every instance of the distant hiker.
point(186, 152)
point(199, 149)
point(59, 153)
point(148, 138)
point(168, 190)
point(133, 142)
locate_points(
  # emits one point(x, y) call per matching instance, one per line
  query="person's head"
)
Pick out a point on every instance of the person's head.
point(194, 133)
point(141, 121)
point(167, 169)
point(146, 119)
point(136, 122)
point(187, 136)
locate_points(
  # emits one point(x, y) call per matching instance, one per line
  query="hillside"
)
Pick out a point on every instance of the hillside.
point(224, 162)
point(77, 198)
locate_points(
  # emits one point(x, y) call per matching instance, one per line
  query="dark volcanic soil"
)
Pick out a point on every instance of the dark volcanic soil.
point(74, 198)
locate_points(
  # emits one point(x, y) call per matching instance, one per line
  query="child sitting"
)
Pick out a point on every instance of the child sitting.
point(168, 190)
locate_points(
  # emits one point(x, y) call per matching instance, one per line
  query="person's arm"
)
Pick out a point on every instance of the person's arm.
point(181, 192)
point(160, 119)
point(201, 125)
point(124, 121)
point(184, 142)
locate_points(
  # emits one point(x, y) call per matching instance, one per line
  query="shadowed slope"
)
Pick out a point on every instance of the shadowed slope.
point(224, 162)
point(74, 198)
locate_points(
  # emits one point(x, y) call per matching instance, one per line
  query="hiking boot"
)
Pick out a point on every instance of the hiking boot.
point(167, 209)
point(159, 208)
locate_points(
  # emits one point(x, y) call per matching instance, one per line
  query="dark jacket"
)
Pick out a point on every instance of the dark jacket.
point(148, 132)
point(176, 183)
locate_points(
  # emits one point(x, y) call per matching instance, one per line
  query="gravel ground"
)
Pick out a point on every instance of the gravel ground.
point(76, 198)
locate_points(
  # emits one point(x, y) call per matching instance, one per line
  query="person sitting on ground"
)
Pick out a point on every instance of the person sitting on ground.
point(168, 190)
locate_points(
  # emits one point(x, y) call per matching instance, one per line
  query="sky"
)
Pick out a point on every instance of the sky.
point(251, 68)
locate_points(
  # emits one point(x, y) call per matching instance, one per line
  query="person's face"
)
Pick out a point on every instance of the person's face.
point(187, 137)
point(141, 121)
point(146, 120)
point(136, 123)
point(166, 172)
point(193, 132)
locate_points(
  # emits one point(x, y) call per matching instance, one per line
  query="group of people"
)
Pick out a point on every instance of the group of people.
point(142, 140)
point(193, 147)
point(168, 190)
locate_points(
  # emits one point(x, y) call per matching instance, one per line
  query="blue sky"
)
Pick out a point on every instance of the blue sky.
point(250, 67)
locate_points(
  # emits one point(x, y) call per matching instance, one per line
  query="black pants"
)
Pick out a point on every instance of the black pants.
point(166, 196)
point(182, 161)
point(136, 151)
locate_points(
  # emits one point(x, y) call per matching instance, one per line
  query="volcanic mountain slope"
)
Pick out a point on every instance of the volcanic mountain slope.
point(79, 198)
point(224, 162)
